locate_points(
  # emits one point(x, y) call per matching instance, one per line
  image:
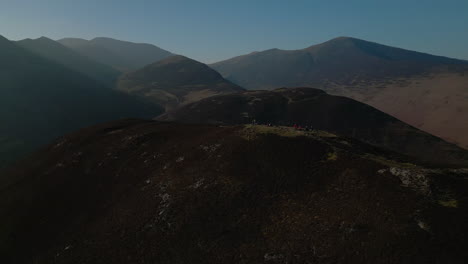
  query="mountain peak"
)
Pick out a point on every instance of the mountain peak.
point(175, 59)
point(44, 38)
point(341, 38)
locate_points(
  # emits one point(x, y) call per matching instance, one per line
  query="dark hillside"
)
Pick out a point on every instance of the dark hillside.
point(146, 192)
point(319, 110)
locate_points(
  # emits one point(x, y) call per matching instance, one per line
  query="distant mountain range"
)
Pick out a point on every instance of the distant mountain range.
point(426, 91)
point(175, 80)
point(122, 55)
point(71, 59)
point(316, 109)
point(42, 99)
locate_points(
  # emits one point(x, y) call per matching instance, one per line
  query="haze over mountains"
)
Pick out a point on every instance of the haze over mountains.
point(41, 100)
point(426, 91)
point(122, 55)
point(61, 54)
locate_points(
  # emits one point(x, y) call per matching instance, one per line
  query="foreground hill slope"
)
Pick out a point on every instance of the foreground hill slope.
point(41, 100)
point(426, 91)
point(122, 55)
point(315, 108)
point(175, 80)
point(145, 192)
point(58, 53)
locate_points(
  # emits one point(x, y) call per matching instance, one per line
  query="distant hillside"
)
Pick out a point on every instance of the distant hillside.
point(41, 100)
point(122, 55)
point(426, 91)
point(137, 191)
point(175, 80)
point(315, 108)
point(57, 52)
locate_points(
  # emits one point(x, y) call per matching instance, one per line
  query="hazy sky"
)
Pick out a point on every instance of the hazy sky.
point(212, 30)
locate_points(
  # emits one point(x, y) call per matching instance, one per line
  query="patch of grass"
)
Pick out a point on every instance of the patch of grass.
point(250, 131)
point(322, 133)
point(332, 156)
point(452, 203)
point(447, 198)
point(389, 163)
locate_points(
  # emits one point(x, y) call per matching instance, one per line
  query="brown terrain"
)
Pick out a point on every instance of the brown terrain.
point(426, 91)
point(318, 110)
point(436, 103)
point(137, 191)
point(174, 81)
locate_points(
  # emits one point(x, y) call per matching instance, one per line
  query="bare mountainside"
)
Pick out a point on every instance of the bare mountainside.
point(174, 81)
point(316, 109)
point(426, 91)
point(137, 191)
point(122, 55)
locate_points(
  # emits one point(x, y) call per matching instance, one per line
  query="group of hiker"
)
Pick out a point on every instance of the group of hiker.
point(304, 128)
point(295, 126)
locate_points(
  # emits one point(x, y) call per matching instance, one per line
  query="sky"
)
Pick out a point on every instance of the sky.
point(214, 30)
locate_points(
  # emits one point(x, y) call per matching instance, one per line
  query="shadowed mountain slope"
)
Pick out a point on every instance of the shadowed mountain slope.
point(41, 100)
point(147, 192)
point(175, 80)
point(426, 91)
point(57, 52)
point(315, 108)
point(122, 55)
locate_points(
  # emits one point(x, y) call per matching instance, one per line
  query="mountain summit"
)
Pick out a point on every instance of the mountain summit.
point(318, 110)
point(342, 60)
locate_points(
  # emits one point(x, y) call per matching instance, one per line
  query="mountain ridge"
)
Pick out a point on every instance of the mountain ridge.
point(61, 54)
point(424, 90)
point(318, 110)
point(122, 55)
